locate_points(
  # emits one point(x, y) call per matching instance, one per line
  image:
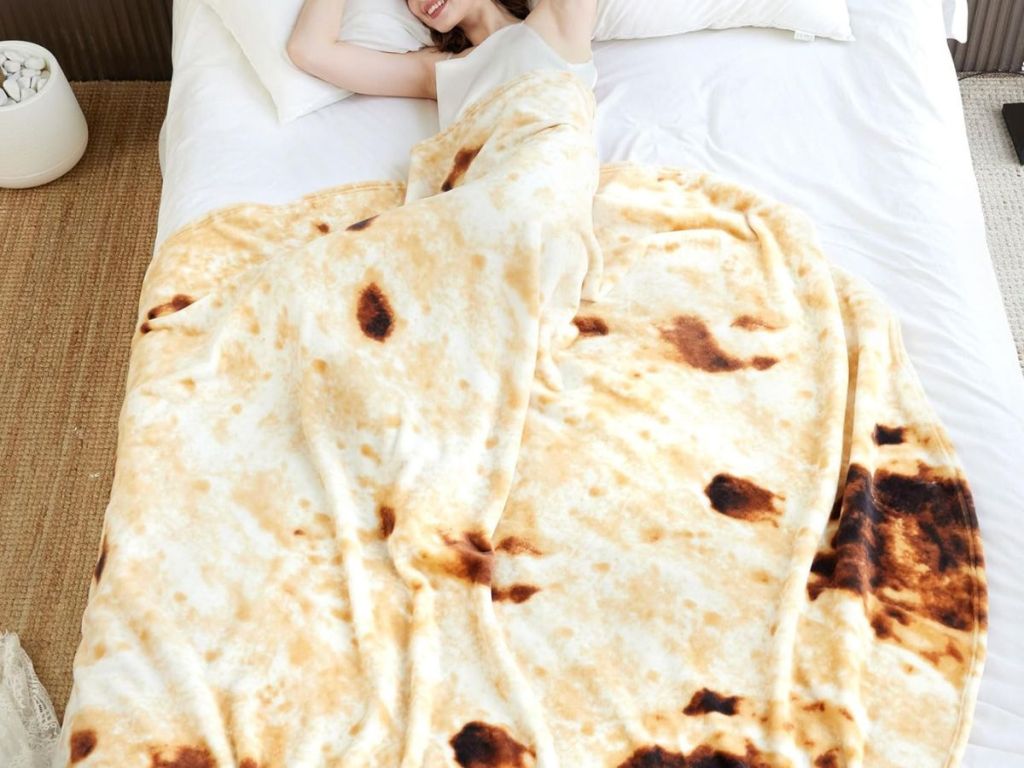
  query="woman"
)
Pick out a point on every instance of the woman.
point(554, 34)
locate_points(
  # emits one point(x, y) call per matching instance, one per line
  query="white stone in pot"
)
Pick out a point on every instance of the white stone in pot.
point(14, 56)
point(3, 97)
point(34, 62)
point(12, 88)
point(27, 93)
point(10, 66)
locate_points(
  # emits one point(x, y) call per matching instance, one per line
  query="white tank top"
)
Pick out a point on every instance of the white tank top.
point(502, 57)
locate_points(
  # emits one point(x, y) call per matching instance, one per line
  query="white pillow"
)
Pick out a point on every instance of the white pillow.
point(262, 29)
point(627, 19)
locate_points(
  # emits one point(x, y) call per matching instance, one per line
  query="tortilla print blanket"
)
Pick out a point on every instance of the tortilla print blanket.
point(525, 463)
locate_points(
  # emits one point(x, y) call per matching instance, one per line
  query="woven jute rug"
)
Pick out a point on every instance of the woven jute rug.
point(72, 257)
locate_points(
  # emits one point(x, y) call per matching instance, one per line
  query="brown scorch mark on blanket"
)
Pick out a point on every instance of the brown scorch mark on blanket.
point(740, 498)
point(517, 546)
point(884, 435)
point(360, 225)
point(518, 593)
point(474, 558)
point(480, 745)
point(248, 763)
point(374, 313)
point(82, 744)
point(324, 227)
point(706, 701)
point(829, 759)
point(654, 757)
point(463, 158)
point(751, 323)
point(591, 326)
point(387, 520)
point(185, 757)
point(912, 542)
point(702, 757)
point(699, 349)
point(176, 304)
point(102, 561)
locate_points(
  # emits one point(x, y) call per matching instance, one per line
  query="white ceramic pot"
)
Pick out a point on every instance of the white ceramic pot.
point(44, 136)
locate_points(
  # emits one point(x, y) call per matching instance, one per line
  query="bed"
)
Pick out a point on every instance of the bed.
point(868, 138)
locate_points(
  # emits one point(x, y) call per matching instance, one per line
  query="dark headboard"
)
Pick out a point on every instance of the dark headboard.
point(96, 39)
point(131, 39)
point(995, 37)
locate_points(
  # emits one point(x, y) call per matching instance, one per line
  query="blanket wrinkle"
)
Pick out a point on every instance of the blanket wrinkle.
point(524, 463)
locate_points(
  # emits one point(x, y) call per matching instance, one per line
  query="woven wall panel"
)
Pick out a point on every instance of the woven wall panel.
point(995, 41)
point(96, 39)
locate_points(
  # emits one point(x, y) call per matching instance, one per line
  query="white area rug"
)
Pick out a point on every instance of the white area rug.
point(1001, 181)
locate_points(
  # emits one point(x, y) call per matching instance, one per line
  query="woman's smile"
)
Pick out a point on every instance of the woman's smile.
point(435, 8)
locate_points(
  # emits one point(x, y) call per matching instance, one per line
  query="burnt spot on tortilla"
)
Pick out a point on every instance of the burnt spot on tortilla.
point(361, 225)
point(474, 558)
point(481, 745)
point(184, 757)
point(517, 546)
point(463, 159)
point(911, 541)
point(517, 593)
point(763, 363)
point(703, 756)
point(706, 701)
point(884, 435)
point(698, 348)
point(654, 757)
point(324, 227)
point(591, 325)
point(386, 515)
point(82, 744)
point(177, 303)
point(829, 759)
point(248, 763)
point(374, 313)
point(751, 323)
point(740, 498)
point(102, 561)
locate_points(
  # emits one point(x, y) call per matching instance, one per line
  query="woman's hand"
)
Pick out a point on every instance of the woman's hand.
point(315, 48)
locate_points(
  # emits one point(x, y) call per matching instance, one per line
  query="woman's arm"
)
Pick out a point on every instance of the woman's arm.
point(314, 47)
point(566, 25)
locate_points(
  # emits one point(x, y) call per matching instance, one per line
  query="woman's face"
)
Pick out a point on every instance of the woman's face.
point(439, 15)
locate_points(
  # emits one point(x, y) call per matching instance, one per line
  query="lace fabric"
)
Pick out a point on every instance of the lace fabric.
point(28, 725)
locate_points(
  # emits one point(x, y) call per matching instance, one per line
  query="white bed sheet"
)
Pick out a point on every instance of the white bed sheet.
point(867, 137)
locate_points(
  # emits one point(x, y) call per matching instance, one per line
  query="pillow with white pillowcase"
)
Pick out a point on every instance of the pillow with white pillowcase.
point(628, 19)
point(262, 29)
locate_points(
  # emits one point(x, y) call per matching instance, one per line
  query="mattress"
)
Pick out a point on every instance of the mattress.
point(867, 137)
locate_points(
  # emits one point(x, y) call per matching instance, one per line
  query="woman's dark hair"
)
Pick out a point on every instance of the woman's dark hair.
point(456, 40)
